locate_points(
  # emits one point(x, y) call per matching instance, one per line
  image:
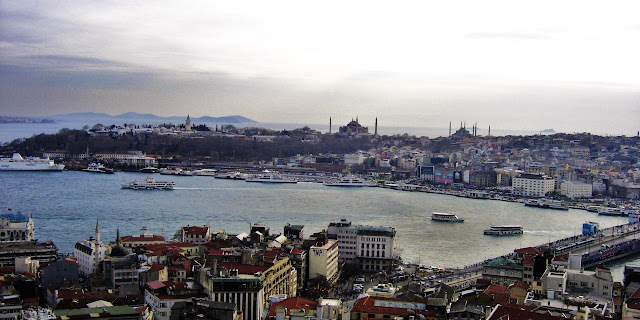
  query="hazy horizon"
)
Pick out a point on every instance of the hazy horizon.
point(570, 66)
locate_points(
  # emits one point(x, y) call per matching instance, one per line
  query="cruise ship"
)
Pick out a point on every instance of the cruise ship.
point(270, 177)
point(503, 230)
point(18, 163)
point(149, 184)
point(446, 217)
point(350, 181)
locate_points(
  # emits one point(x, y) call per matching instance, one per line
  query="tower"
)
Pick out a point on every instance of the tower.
point(375, 134)
point(449, 128)
point(187, 124)
point(97, 233)
point(329, 125)
point(489, 130)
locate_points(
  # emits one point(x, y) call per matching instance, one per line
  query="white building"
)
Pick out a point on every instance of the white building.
point(90, 253)
point(16, 227)
point(575, 189)
point(532, 185)
point(353, 159)
point(323, 260)
point(371, 248)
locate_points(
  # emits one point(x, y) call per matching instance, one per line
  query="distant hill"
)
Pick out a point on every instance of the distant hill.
point(137, 117)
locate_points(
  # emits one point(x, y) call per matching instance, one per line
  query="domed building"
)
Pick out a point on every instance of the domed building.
point(121, 270)
point(353, 128)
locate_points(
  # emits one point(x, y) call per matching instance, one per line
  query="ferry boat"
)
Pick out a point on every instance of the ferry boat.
point(204, 172)
point(503, 230)
point(546, 204)
point(350, 181)
point(446, 217)
point(610, 211)
point(98, 168)
point(149, 170)
point(18, 163)
point(149, 184)
point(231, 175)
point(269, 177)
point(176, 172)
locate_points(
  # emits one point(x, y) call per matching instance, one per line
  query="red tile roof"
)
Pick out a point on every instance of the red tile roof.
point(242, 268)
point(293, 303)
point(367, 305)
point(494, 288)
point(142, 238)
point(510, 312)
point(196, 230)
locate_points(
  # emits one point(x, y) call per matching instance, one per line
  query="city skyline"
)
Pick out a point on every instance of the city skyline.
point(568, 66)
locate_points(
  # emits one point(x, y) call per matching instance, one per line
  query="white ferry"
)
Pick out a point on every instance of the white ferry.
point(149, 184)
point(231, 175)
point(204, 172)
point(610, 211)
point(270, 177)
point(546, 204)
point(350, 181)
point(149, 169)
point(175, 172)
point(503, 230)
point(18, 163)
point(98, 168)
point(446, 217)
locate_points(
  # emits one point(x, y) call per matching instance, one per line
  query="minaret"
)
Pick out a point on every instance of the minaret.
point(489, 130)
point(357, 126)
point(118, 237)
point(97, 233)
point(329, 125)
point(375, 134)
point(449, 128)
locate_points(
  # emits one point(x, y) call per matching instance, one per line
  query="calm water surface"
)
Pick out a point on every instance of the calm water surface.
point(65, 206)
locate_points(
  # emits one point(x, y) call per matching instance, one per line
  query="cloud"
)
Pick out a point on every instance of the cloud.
point(506, 36)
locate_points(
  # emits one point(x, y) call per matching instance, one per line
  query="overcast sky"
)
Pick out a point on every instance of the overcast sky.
point(569, 65)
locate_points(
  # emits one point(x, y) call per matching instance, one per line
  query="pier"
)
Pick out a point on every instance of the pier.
point(596, 248)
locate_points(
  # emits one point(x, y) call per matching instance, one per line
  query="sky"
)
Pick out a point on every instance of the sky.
point(529, 65)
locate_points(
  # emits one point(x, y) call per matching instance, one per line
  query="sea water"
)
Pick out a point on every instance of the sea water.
point(66, 205)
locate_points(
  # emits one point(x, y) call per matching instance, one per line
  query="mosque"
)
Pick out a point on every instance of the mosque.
point(354, 128)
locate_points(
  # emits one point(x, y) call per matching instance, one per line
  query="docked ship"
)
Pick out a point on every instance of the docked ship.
point(270, 177)
point(149, 170)
point(18, 163)
point(546, 204)
point(503, 230)
point(98, 168)
point(176, 172)
point(446, 217)
point(204, 172)
point(611, 211)
point(149, 184)
point(350, 181)
point(231, 175)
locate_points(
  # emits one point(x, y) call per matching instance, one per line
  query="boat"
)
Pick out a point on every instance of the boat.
point(446, 217)
point(18, 163)
point(231, 175)
point(546, 204)
point(149, 170)
point(175, 172)
point(503, 230)
point(611, 211)
point(149, 184)
point(204, 172)
point(269, 177)
point(349, 181)
point(98, 168)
